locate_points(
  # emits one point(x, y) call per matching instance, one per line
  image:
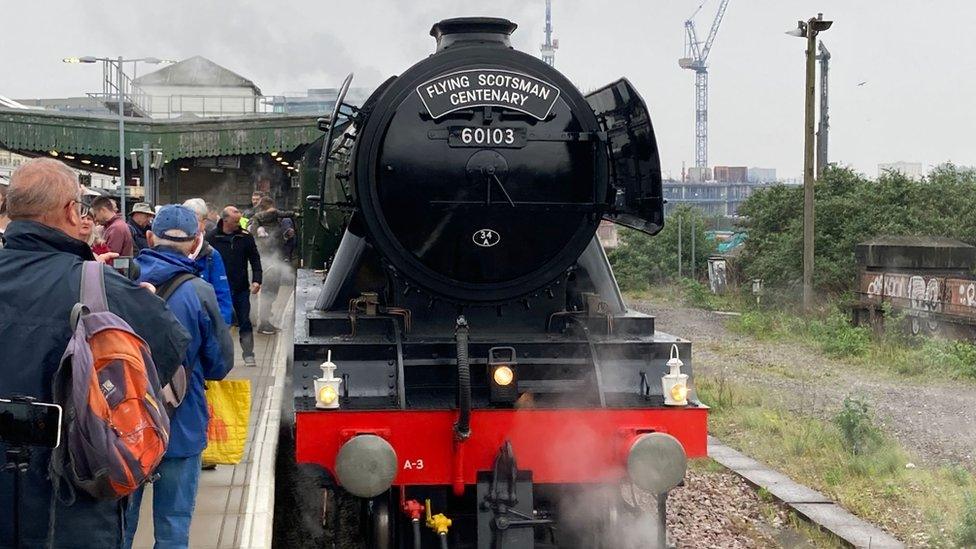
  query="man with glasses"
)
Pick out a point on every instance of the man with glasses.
point(40, 282)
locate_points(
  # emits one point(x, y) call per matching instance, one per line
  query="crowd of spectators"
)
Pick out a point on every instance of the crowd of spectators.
point(216, 259)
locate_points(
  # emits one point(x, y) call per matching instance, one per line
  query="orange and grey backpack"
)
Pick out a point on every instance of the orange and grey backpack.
point(116, 429)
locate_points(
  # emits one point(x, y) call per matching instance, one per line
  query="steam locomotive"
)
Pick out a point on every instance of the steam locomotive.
point(466, 373)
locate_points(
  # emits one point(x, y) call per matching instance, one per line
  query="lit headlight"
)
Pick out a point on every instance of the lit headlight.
point(503, 375)
point(679, 392)
point(328, 395)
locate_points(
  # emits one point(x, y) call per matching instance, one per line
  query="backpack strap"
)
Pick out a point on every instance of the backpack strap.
point(93, 287)
point(168, 288)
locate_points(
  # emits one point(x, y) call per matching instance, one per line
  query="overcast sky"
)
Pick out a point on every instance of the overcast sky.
point(917, 61)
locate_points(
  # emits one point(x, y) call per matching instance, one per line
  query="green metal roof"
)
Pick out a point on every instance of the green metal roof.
point(42, 131)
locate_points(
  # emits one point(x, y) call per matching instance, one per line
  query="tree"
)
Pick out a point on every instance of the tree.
point(642, 260)
point(850, 209)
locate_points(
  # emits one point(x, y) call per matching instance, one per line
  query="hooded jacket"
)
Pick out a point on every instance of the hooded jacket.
point(210, 354)
point(237, 250)
point(40, 281)
point(211, 267)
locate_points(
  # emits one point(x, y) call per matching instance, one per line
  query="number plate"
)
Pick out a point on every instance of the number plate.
point(486, 136)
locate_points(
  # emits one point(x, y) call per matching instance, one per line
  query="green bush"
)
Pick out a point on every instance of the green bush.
point(958, 356)
point(855, 424)
point(698, 295)
point(757, 324)
point(966, 531)
point(838, 338)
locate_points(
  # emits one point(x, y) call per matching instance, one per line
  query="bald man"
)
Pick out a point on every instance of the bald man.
point(40, 281)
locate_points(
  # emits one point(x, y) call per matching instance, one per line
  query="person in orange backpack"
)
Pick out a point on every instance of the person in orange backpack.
point(175, 234)
point(40, 282)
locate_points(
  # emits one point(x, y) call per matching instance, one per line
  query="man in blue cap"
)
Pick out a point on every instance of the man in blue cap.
point(174, 236)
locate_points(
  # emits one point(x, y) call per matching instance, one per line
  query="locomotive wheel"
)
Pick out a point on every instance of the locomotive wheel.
point(380, 522)
point(342, 518)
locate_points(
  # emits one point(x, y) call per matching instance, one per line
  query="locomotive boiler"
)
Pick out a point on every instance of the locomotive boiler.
point(465, 370)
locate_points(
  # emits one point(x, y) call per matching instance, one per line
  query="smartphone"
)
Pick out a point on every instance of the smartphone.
point(121, 264)
point(25, 423)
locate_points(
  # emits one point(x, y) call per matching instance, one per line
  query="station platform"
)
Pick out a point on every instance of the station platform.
point(235, 503)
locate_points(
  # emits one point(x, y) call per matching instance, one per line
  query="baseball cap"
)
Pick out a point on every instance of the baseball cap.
point(175, 218)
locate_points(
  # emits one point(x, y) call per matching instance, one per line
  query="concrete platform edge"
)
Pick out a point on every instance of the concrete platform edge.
point(803, 501)
point(258, 513)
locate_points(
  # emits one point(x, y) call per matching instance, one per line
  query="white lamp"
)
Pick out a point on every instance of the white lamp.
point(327, 386)
point(674, 383)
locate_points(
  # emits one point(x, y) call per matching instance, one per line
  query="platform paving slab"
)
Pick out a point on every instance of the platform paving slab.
point(235, 502)
point(808, 503)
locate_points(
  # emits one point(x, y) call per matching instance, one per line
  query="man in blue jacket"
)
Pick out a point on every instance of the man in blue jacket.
point(210, 355)
point(210, 263)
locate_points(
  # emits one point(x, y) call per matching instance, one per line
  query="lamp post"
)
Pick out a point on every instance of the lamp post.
point(118, 64)
point(152, 160)
point(809, 30)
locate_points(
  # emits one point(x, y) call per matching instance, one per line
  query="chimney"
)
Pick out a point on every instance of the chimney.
point(481, 31)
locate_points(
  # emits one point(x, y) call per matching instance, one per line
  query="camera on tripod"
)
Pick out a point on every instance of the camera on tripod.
point(24, 424)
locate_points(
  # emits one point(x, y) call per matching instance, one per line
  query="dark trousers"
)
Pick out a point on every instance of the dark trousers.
point(242, 312)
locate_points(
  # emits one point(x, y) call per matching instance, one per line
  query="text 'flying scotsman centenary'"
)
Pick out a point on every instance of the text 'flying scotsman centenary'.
point(488, 87)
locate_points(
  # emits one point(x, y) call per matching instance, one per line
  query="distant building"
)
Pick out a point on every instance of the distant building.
point(912, 170)
point(198, 87)
point(731, 174)
point(76, 105)
point(315, 100)
point(9, 162)
point(761, 175)
point(699, 175)
point(712, 198)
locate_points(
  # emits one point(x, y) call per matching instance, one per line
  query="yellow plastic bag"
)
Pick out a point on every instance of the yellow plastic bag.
point(229, 402)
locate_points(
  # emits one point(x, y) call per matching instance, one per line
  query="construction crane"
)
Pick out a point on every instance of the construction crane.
point(824, 128)
point(696, 54)
point(550, 46)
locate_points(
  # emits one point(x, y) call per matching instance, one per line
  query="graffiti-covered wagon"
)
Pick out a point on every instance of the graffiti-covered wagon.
point(928, 279)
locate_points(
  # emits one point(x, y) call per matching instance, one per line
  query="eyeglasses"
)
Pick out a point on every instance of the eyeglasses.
point(84, 208)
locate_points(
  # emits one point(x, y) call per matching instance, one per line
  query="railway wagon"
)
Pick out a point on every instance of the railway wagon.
point(929, 279)
point(466, 373)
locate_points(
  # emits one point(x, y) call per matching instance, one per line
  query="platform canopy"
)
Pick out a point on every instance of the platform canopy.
point(38, 131)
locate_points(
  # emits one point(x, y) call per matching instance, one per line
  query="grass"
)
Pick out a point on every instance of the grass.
point(831, 333)
point(893, 351)
point(851, 461)
point(688, 293)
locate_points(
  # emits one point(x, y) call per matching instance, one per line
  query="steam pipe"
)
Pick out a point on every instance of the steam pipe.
point(457, 484)
point(416, 533)
point(462, 429)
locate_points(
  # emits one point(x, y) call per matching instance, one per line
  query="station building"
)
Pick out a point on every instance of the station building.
point(205, 130)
